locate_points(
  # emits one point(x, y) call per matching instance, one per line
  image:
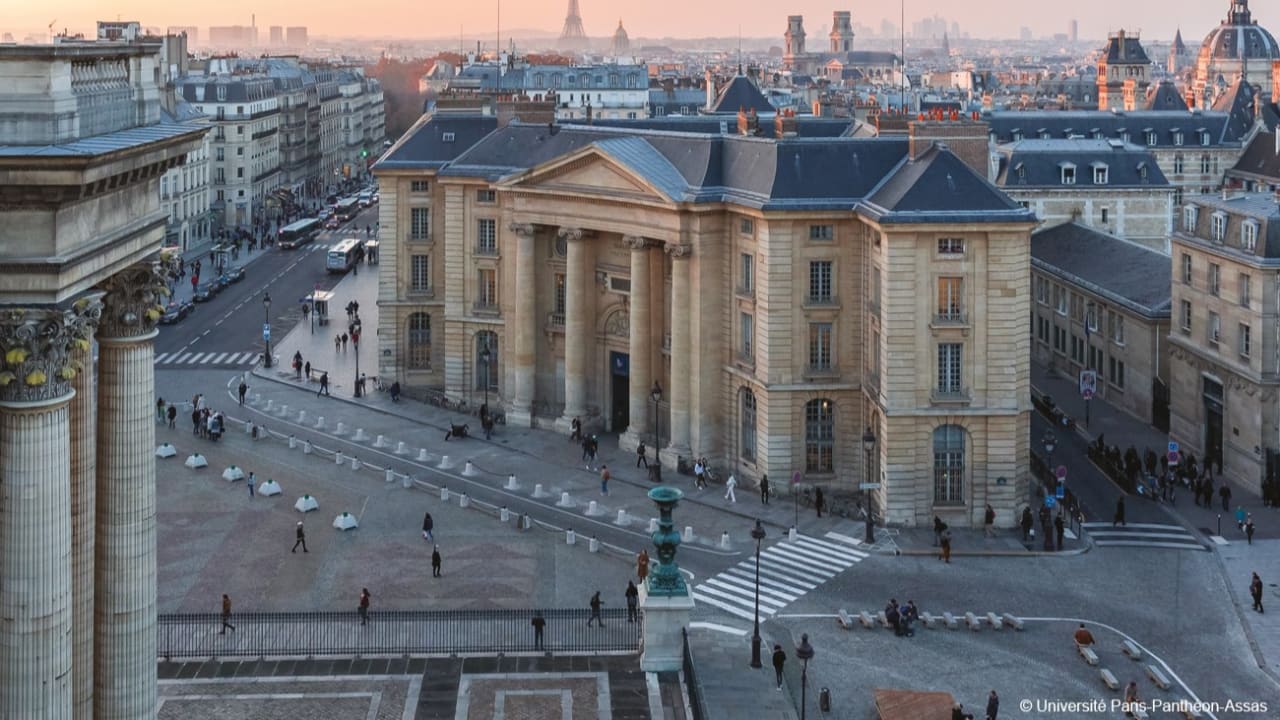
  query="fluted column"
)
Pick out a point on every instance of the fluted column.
point(125, 561)
point(84, 478)
point(575, 329)
point(521, 412)
point(681, 384)
point(35, 510)
point(641, 341)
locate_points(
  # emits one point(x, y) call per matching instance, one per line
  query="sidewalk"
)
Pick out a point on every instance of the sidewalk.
point(731, 688)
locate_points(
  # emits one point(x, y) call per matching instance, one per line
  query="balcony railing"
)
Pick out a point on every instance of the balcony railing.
point(555, 320)
point(486, 250)
point(950, 317)
point(418, 237)
point(484, 307)
point(821, 301)
point(950, 396)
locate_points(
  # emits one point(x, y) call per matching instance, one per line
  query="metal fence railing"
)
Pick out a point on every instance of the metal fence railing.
point(442, 632)
point(692, 686)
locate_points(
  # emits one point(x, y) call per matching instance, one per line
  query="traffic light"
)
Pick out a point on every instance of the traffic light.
point(364, 152)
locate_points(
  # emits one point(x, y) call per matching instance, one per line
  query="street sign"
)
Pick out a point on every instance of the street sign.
point(1087, 394)
point(868, 486)
point(1061, 491)
point(1173, 446)
point(1050, 501)
point(1060, 472)
point(1088, 383)
point(795, 478)
point(266, 334)
point(1174, 457)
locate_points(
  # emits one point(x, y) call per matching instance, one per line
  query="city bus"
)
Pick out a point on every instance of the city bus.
point(298, 233)
point(344, 255)
point(347, 209)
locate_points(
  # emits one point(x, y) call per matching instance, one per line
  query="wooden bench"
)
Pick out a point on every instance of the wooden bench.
point(1013, 621)
point(842, 617)
point(928, 619)
point(1088, 654)
point(950, 620)
point(1109, 679)
point(884, 619)
point(1131, 650)
point(867, 621)
point(972, 621)
point(996, 622)
point(1157, 677)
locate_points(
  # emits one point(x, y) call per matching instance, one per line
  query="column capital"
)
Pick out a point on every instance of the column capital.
point(134, 298)
point(572, 234)
point(679, 250)
point(522, 229)
point(638, 242)
point(39, 346)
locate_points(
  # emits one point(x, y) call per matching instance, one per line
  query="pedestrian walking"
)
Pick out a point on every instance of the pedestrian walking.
point(344, 342)
point(1248, 529)
point(729, 485)
point(1255, 590)
point(945, 541)
point(306, 370)
point(173, 416)
point(575, 434)
point(250, 482)
point(764, 489)
point(1131, 698)
point(324, 384)
point(1225, 493)
point(819, 501)
point(1061, 527)
point(779, 659)
point(301, 535)
point(993, 705)
point(427, 526)
point(938, 527)
point(241, 391)
point(435, 561)
point(642, 565)
point(586, 451)
point(604, 479)
point(160, 410)
point(539, 623)
point(1027, 524)
point(595, 603)
point(633, 601)
point(337, 343)
point(226, 614)
point(640, 457)
point(363, 608)
point(195, 422)
point(699, 474)
point(989, 522)
point(1118, 519)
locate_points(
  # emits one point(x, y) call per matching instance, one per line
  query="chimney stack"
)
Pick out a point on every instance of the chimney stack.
point(748, 123)
point(785, 124)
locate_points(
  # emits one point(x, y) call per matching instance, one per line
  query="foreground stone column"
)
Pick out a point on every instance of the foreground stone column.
point(681, 383)
point(84, 478)
point(521, 412)
point(641, 342)
point(575, 329)
point(125, 561)
point(664, 595)
point(36, 346)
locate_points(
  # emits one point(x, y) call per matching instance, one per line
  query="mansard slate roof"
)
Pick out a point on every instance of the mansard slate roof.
point(1060, 123)
point(741, 94)
point(1126, 49)
point(1039, 163)
point(1260, 160)
point(789, 174)
point(806, 125)
point(1163, 96)
point(1260, 206)
point(1237, 102)
point(1123, 272)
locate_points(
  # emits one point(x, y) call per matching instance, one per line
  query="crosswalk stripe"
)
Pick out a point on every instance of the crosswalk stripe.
point(195, 358)
point(787, 577)
point(731, 609)
point(731, 598)
point(220, 358)
point(181, 358)
point(1150, 543)
point(808, 554)
point(748, 585)
point(817, 570)
point(765, 600)
point(838, 549)
point(845, 539)
point(1151, 526)
point(161, 357)
point(747, 575)
point(1105, 534)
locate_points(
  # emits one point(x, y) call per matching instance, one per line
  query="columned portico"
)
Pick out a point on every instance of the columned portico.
point(575, 329)
point(681, 383)
point(84, 478)
point(125, 604)
point(521, 412)
point(641, 343)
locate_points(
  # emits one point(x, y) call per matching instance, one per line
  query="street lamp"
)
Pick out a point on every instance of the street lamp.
point(757, 533)
point(266, 329)
point(1050, 442)
point(804, 651)
point(655, 473)
point(869, 446)
point(355, 344)
point(485, 356)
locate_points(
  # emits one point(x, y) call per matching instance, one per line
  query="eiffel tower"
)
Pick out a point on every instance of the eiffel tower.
point(573, 37)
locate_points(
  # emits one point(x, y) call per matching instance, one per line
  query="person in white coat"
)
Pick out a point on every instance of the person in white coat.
point(729, 485)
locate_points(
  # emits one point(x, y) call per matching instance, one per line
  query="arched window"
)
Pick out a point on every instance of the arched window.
point(486, 371)
point(419, 356)
point(819, 436)
point(948, 465)
point(748, 425)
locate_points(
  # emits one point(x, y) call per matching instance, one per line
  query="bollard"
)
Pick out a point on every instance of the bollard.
point(724, 540)
point(653, 525)
point(381, 442)
point(688, 533)
point(320, 423)
point(422, 455)
point(407, 480)
point(248, 428)
point(511, 482)
point(401, 449)
point(792, 534)
point(337, 458)
point(355, 463)
point(504, 514)
point(255, 398)
point(284, 411)
point(444, 494)
point(622, 517)
point(592, 509)
point(525, 522)
point(537, 490)
point(464, 501)
point(444, 463)
point(306, 447)
point(341, 430)
point(270, 405)
point(564, 500)
point(594, 545)
point(293, 442)
point(302, 416)
point(468, 470)
point(391, 475)
point(569, 537)
point(360, 436)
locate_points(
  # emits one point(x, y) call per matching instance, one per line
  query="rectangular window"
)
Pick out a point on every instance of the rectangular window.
point(1219, 226)
point(747, 325)
point(1068, 175)
point(746, 226)
point(419, 186)
point(1243, 289)
point(875, 353)
point(239, 172)
point(820, 346)
point(820, 289)
point(1116, 372)
point(1249, 236)
point(486, 236)
point(1246, 340)
point(1042, 291)
point(486, 196)
point(1077, 349)
point(1100, 176)
point(1077, 308)
point(1184, 317)
point(419, 223)
point(1215, 328)
point(1042, 329)
point(420, 275)
point(1186, 269)
point(875, 290)
point(1104, 216)
point(219, 154)
point(1060, 299)
point(822, 232)
point(950, 307)
point(1059, 340)
point(1095, 358)
point(1091, 317)
point(560, 297)
point(1117, 329)
point(948, 465)
point(747, 273)
point(1215, 279)
point(949, 368)
point(487, 289)
point(950, 246)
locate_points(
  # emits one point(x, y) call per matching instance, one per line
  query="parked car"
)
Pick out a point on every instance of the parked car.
point(374, 198)
point(233, 275)
point(176, 310)
point(206, 291)
point(332, 223)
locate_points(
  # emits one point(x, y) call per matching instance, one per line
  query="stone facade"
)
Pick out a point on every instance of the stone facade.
point(775, 336)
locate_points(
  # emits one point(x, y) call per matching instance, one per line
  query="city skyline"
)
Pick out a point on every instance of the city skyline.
point(388, 18)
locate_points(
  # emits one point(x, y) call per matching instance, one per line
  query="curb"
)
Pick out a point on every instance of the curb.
point(1254, 647)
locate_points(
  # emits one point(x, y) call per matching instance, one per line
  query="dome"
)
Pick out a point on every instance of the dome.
point(621, 43)
point(1239, 38)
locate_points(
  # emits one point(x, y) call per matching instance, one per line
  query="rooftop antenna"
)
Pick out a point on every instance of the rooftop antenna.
point(497, 48)
point(739, 49)
point(902, 44)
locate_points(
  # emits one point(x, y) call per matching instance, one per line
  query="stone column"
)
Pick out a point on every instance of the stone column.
point(35, 509)
point(641, 347)
point(84, 478)
point(681, 384)
point(125, 560)
point(521, 412)
point(575, 330)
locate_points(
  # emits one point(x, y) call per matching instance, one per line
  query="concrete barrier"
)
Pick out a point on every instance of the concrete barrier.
point(306, 447)
point(302, 416)
point(1086, 652)
point(293, 442)
point(1109, 679)
point(867, 621)
point(271, 405)
point(341, 429)
point(594, 545)
point(792, 534)
point(444, 463)
point(565, 500)
point(593, 508)
point(422, 455)
point(464, 501)
point(972, 621)
point(444, 494)
point(843, 619)
point(391, 475)
point(724, 540)
point(504, 514)
point(995, 621)
point(337, 458)
point(570, 537)
point(928, 620)
point(688, 533)
point(950, 621)
point(1157, 677)
point(284, 411)
point(345, 521)
point(1131, 650)
point(355, 463)
point(380, 442)
point(883, 619)
point(622, 518)
point(653, 525)
point(1013, 621)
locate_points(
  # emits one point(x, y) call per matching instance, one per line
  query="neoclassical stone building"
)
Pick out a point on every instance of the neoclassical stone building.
point(784, 294)
point(82, 152)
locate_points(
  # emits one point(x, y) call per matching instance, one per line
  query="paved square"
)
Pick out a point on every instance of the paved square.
point(288, 698)
point(552, 696)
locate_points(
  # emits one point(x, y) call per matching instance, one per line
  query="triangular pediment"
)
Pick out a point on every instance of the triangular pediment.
point(589, 171)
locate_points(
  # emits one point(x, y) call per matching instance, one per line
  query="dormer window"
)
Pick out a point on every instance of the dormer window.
point(1044, 134)
point(1124, 136)
point(1017, 134)
point(222, 93)
point(1190, 214)
point(1142, 171)
point(1218, 229)
point(1068, 173)
point(1177, 137)
point(1099, 174)
point(1151, 137)
point(1249, 235)
point(1204, 137)
point(1021, 171)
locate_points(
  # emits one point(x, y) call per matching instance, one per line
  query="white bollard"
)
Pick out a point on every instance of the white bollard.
point(594, 545)
point(444, 494)
point(688, 533)
point(248, 428)
point(422, 455)
point(592, 509)
point(270, 405)
point(511, 482)
point(622, 517)
point(380, 442)
point(401, 449)
point(538, 491)
point(724, 540)
point(302, 416)
point(293, 442)
point(306, 447)
point(570, 538)
point(320, 423)
point(468, 470)
point(407, 481)
point(564, 500)
point(444, 463)
point(792, 534)
point(284, 411)
point(355, 463)
point(464, 501)
point(504, 514)
point(255, 398)
point(391, 475)
point(341, 430)
point(653, 525)
point(337, 458)
point(360, 436)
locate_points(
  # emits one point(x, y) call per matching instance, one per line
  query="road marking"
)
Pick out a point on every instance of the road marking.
point(1219, 540)
point(195, 358)
point(219, 358)
point(843, 538)
point(161, 358)
point(738, 583)
point(715, 627)
point(182, 359)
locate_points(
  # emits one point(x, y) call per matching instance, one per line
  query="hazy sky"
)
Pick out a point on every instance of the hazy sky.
point(1156, 19)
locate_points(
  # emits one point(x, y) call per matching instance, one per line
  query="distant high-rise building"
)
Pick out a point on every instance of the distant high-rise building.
point(275, 36)
point(233, 36)
point(1075, 30)
point(191, 31)
point(126, 30)
point(573, 36)
point(295, 37)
